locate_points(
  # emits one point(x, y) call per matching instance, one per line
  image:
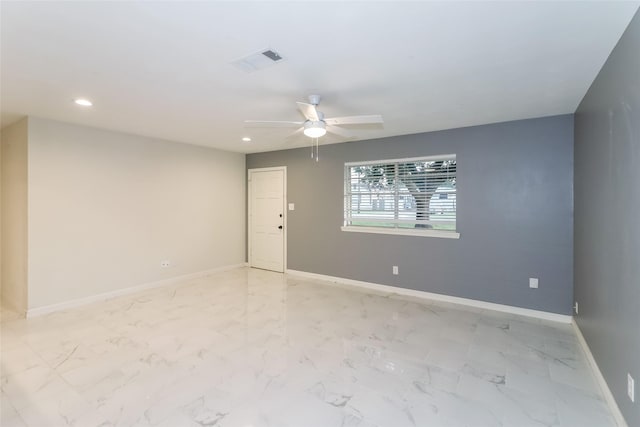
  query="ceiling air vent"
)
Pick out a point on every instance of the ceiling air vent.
point(258, 61)
point(274, 56)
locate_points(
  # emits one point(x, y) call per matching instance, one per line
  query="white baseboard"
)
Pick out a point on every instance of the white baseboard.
point(39, 311)
point(390, 290)
point(604, 387)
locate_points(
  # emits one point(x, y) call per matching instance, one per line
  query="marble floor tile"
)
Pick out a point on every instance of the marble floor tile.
point(254, 348)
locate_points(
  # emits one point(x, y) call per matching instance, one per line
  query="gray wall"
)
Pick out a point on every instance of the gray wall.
point(514, 215)
point(607, 220)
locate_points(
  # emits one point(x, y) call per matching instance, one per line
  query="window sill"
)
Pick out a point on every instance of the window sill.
point(401, 232)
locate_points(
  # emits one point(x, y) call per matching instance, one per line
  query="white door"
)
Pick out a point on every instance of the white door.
point(267, 218)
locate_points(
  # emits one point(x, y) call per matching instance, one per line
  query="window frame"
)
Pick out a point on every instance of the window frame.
point(395, 230)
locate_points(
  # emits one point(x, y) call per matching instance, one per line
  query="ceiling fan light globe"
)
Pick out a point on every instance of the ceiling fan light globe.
point(315, 132)
point(315, 129)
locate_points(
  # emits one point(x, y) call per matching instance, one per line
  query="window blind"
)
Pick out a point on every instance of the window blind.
point(415, 193)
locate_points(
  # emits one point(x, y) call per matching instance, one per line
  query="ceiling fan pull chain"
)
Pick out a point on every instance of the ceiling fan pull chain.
point(317, 149)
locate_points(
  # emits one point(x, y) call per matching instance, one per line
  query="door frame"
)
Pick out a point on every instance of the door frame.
point(250, 172)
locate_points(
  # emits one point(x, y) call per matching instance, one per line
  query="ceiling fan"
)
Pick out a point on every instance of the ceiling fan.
point(316, 124)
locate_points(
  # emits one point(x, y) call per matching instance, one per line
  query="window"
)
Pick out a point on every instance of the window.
point(414, 196)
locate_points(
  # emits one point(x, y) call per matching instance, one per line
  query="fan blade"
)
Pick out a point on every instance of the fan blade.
point(354, 120)
point(272, 123)
point(309, 111)
point(339, 131)
point(294, 134)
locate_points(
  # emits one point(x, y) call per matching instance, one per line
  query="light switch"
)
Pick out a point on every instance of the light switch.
point(292, 207)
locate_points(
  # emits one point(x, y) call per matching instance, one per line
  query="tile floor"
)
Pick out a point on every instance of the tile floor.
point(250, 348)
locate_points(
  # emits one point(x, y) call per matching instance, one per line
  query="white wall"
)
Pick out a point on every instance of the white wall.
point(106, 208)
point(14, 216)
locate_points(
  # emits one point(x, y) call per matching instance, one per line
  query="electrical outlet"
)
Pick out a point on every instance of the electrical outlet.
point(575, 307)
point(395, 270)
point(631, 388)
point(164, 264)
point(533, 282)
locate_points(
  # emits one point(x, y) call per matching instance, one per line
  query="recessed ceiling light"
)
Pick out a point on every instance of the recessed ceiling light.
point(83, 102)
point(246, 139)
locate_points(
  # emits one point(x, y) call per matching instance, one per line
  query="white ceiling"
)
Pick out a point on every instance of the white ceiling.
point(163, 69)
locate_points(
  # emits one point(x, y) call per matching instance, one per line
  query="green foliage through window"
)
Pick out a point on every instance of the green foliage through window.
point(416, 193)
